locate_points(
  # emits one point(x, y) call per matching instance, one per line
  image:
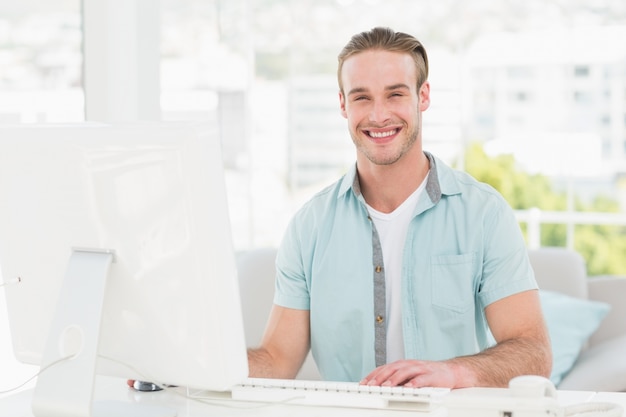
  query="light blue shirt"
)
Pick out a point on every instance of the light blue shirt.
point(463, 251)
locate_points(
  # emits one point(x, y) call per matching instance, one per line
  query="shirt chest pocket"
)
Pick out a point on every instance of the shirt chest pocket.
point(452, 281)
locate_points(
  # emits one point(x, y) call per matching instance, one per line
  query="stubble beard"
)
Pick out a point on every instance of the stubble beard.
point(377, 157)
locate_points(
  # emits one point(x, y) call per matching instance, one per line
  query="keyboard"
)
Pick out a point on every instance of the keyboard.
point(337, 394)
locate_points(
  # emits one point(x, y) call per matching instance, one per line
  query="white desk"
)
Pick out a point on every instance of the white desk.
point(18, 405)
point(116, 389)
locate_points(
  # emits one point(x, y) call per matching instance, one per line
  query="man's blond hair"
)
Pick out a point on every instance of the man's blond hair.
point(388, 40)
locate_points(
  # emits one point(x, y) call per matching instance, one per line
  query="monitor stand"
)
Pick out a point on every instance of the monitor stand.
point(65, 386)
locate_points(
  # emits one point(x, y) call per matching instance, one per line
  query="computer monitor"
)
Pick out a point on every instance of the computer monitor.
point(117, 240)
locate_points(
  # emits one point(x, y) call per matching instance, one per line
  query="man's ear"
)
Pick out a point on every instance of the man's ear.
point(342, 105)
point(424, 96)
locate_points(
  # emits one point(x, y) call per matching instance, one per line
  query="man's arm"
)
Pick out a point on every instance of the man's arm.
point(523, 344)
point(284, 346)
point(523, 348)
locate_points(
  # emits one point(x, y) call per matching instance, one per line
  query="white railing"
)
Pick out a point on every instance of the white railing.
point(535, 217)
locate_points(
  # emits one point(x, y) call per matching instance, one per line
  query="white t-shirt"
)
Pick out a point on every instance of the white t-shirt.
point(392, 228)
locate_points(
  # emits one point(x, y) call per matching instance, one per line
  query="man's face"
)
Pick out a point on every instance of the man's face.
point(382, 105)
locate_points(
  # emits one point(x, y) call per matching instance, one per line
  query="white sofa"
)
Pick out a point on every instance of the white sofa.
point(256, 280)
point(600, 367)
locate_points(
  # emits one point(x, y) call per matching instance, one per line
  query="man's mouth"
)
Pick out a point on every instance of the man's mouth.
point(381, 134)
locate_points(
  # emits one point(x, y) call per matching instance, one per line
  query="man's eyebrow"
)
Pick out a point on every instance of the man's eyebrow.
point(399, 86)
point(357, 90)
point(360, 90)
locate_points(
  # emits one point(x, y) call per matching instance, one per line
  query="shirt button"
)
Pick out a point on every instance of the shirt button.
point(378, 269)
point(379, 319)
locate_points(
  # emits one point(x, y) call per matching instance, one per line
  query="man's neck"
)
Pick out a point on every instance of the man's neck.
point(385, 187)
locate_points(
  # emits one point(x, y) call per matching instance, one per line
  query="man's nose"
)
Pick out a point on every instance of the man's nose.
point(379, 112)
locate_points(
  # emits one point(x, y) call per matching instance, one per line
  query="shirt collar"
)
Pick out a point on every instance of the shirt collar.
point(434, 187)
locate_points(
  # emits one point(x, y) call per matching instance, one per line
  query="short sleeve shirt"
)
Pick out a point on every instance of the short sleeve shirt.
point(464, 250)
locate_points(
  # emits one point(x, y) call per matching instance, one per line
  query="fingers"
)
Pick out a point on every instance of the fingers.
point(393, 374)
point(411, 373)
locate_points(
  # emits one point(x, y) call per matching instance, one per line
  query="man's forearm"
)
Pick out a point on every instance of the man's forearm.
point(260, 363)
point(496, 366)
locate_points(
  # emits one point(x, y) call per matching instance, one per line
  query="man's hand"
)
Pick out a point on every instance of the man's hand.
point(414, 374)
point(523, 348)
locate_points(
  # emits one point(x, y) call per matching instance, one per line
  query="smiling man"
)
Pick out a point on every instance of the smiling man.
point(405, 271)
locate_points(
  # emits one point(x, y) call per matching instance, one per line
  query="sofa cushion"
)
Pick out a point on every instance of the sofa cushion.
point(560, 269)
point(570, 321)
point(599, 368)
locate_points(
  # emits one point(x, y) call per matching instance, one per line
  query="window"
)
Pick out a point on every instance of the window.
point(606, 147)
point(582, 97)
point(520, 96)
point(243, 63)
point(41, 63)
point(520, 72)
point(581, 71)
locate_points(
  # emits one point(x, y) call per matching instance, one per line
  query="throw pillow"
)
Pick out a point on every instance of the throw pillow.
point(571, 321)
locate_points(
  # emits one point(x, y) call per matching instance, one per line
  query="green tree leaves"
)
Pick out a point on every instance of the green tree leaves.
point(602, 246)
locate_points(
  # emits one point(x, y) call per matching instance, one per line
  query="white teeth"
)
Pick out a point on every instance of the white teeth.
point(382, 134)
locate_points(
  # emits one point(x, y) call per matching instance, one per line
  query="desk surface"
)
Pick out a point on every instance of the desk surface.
point(18, 405)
